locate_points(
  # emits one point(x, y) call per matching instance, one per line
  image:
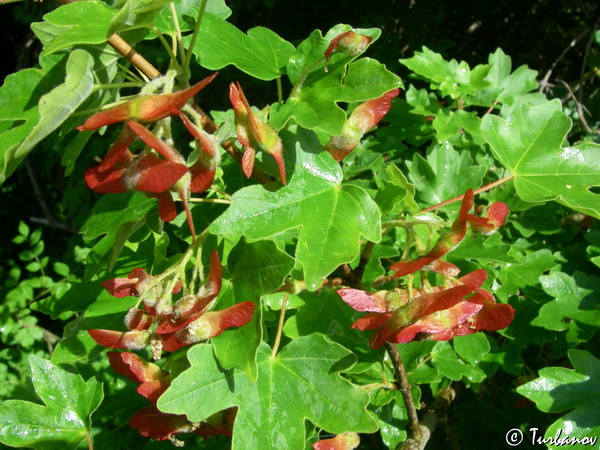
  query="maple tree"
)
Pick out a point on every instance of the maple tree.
point(344, 257)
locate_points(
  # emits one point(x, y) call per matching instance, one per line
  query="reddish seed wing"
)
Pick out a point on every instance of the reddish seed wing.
point(132, 340)
point(119, 113)
point(120, 287)
point(152, 174)
point(109, 182)
point(363, 301)
point(346, 441)
point(153, 424)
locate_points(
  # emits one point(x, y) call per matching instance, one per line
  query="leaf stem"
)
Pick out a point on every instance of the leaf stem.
point(89, 441)
point(177, 31)
point(414, 431)
point(485, 188)
point(131, 84)
point(188, 55)
point(280, 325)
point(210, 200)
point(303, 77)
point(166, 45)
point(279, 90)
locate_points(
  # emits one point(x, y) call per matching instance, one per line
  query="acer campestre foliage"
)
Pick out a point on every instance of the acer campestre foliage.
point(239, 314)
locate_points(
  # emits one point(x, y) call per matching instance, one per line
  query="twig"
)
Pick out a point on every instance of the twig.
point(435, 416)
point(487, 187)
point(49, 219)
point(586, 54)
point(141, 63)
point(573, 43)
point(414, 429)
point(579, 106)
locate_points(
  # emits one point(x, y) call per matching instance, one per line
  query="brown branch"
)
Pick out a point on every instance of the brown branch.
point(140, 63)
point(487, 187)
point(414, 429)
point(544, 83)
point(434, 416)
point(579, 107)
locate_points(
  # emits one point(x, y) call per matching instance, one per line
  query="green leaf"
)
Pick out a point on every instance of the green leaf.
point(445, 173)
point(74, 24)
point(314, 105)
point(397, 194)
point(257, 269)
point(23, 229)
point(301, 382)
point(450, 77)
point(236, 348)
point(116, 216)
point(260, 53)
point(472, 348)
point(332, 217)
point(576, 300)
point(65, 420)
point(17, 96)
point(75, 297)
point(187, 13)
point(524, 273)
point(445, 359)
point(505, 87)
point(559, 389)
point(529, 145)
point(482, 248)
point(136, 14)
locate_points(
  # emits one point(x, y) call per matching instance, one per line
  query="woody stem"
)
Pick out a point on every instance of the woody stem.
point(414, 429)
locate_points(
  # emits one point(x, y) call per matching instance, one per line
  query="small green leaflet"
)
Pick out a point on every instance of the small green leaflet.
point(45, 117)
point(447, 362)
point(65, 420)
point(74, 24)
point(445, 173)
point(260, 53)
point(559, 389)
point(505, 87)
point(332, 217)
point(450, 77)
point(301, 382)
point(529, 145)
point(576, 303)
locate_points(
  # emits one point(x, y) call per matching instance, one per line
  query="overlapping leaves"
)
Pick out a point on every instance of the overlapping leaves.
point(63, 422)
point(332, 217)
point(529, 144)
point(316, 92)
point(304, 374)
point(559, 389)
